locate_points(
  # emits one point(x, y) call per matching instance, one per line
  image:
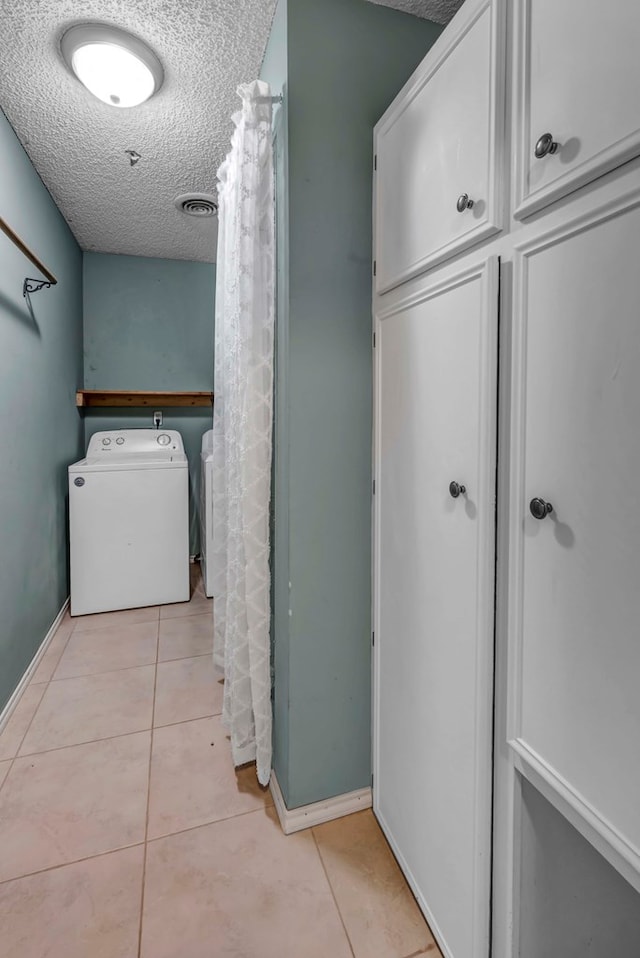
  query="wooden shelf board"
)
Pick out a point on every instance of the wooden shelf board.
point(136, 398)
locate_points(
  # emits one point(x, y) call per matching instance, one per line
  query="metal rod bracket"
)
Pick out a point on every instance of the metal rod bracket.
point(33, 285)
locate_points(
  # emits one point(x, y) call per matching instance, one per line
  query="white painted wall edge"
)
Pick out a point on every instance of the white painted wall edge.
point(7, 711)
point(295, 819)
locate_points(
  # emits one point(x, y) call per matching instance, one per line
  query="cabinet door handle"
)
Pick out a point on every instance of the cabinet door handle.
point(456, 490)
point(540, 509)
point(546, 144)
point(464, 203)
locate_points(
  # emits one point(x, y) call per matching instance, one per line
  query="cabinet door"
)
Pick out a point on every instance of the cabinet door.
point(439, 141)
point(575, 585)
point(434, 592)
point(578, 74)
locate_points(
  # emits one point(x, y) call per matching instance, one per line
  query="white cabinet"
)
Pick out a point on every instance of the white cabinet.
point(575, 601)
point(441, 141)
point(569, 708)
point(436, 367)
point(578, 74)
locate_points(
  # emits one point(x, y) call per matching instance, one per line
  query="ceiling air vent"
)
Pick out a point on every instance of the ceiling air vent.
point(196, 204)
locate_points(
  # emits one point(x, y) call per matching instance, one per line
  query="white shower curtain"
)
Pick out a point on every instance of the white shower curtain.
point(242, 427)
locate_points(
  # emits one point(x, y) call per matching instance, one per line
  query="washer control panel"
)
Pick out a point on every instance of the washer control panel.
point(130, 442)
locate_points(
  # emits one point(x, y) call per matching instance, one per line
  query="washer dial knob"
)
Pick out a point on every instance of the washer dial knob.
point(106, 442)
point(164, 439)
point(119, 441)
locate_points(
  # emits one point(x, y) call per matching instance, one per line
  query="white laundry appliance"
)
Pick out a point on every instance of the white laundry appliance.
point(206, 511)
point(129, 521)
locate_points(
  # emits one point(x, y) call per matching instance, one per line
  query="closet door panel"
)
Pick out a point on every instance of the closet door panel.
point(439, 141)
point(435, 424)
point(575, 587)
point(578, 77)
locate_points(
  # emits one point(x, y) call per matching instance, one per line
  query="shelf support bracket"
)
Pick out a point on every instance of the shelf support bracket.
point(33, 285)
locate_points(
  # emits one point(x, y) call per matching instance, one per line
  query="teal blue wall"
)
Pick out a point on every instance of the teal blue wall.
point(40, 368)
point(148, 324)
point(345, 62)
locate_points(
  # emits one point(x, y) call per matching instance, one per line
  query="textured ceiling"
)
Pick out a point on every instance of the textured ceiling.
point(440, 11)
point(78, 144)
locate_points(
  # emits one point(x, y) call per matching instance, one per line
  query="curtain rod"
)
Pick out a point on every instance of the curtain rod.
point(270, 99)
point(30, 285)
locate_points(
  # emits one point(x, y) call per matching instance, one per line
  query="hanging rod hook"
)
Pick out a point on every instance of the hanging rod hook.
point(33, 285)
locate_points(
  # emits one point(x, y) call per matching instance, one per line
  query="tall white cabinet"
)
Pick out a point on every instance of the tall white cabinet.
point(435, 440)
point(574, 630)
point(514, 192)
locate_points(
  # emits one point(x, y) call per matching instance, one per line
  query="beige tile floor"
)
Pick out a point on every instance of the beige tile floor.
point(125, 831)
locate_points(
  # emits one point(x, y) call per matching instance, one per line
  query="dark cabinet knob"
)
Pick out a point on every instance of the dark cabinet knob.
point(546, 144)
point(464, 203)
point(455, 490)
point(540, 509)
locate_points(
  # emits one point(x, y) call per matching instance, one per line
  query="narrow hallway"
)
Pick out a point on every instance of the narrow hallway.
point(125, 830)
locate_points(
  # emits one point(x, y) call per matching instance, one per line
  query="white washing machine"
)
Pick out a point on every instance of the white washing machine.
point(206, 511)
point(129, 521)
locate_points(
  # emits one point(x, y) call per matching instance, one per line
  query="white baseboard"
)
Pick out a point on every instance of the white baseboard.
point(295, 819)
point(7, 711)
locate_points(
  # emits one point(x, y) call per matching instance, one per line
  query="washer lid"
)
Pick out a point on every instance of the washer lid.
point(130, 463)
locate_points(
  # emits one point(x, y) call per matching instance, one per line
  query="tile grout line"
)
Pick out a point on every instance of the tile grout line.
point(106, 738)
point(198, 718)
point(215, 821)
point(181, 618)
point(114, 625)
point(126, 668)
point(78, 619)
point(95, 741)
point(181, 658)
point(75, 629)
point(413, 954)
point(75, 861)
point(109, 738)
point(333, 894)
point(146, 818)
point(35, 711)
point(120, 848)
point(429, 948)
point(92, 741)
point(91, 675)
point(86, 675)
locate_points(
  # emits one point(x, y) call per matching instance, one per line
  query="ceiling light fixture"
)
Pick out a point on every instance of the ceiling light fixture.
point(115, 66)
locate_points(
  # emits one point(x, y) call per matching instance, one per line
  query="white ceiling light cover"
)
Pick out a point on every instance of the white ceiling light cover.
point(115, 66)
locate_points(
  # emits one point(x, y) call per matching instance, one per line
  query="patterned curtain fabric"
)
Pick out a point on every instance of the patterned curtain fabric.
point(242, 427)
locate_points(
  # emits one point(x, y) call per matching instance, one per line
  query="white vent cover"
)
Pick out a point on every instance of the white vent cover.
point(196, 204)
